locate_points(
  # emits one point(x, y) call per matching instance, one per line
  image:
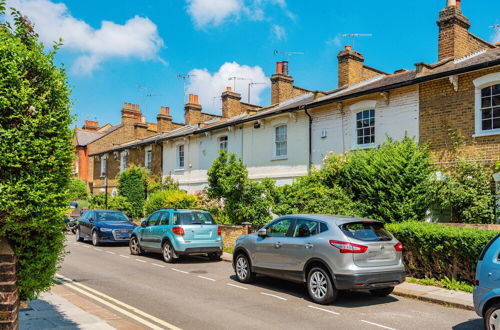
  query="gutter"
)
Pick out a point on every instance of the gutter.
point(418, 80)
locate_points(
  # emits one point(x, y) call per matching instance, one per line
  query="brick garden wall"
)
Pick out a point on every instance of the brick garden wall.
point(231, 233)
point(9, 294)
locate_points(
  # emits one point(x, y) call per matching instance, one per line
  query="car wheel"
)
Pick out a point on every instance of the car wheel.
point(214, 256)
point(243, 270)
point(79, 238)
point(382, 292)
point(320, 286)
point(135, 248)
point(95, 239)
point(168, 252)
point(492, 317)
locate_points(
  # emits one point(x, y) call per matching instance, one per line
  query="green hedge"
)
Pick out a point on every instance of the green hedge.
point(436, 251)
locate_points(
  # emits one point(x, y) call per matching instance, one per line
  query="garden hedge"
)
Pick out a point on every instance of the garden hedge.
point(436, 251)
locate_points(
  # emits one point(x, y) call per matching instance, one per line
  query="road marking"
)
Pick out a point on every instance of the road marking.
point(237, 286)
point(272, 295)
point(110, 252)
point(81, 288)
point(324, 310)
point(206, 278)
point(140, 260)
point(180, 271)
point(97, 249)
point(121, 255)
point(87, 247)
point(378, 325)
point(158, 265)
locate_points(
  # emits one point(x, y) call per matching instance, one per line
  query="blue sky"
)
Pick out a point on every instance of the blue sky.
point(148, 43)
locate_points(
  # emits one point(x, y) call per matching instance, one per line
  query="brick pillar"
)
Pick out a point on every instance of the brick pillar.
point(247, 228)
point(9, 295)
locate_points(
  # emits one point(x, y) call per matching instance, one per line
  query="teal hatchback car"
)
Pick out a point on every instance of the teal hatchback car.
point(175, 233)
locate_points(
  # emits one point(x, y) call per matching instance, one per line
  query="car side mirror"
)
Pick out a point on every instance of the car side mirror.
point(262, 232)
point(143, 224)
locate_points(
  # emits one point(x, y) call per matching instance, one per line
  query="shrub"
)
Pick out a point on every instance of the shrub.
point(390, 182)
point(36, 153)
point(439, 251)
point(176, 199)
point(77, 189)
point(214, 206)
point(226, 177)
point(132, 184)
point(467, 191)
point(118, 203)
point(252, 205)
point(156, 184)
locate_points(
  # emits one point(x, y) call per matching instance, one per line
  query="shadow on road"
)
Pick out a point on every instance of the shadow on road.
point(474, 324)
point(348, 299)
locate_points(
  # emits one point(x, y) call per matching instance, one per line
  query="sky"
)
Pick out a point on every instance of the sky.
point(133, 51)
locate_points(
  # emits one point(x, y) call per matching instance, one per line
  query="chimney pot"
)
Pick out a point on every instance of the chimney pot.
point(279, 67)
point(347, 47)
point(191, 98)
point(195, 99)
point(458, 4)
point(228, 89)
point(285, 67)
point(167, 110)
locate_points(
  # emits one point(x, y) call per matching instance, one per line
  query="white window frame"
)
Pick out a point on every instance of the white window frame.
point(104, 165)
point(355, 109)
point(275, 142)
point(77, 163)
point(479, 84)
point(148, 163)
point(178, 165)
point(222, 142)
point(123, 161)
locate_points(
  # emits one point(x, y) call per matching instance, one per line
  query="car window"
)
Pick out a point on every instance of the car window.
point(323, 227)
point(279, 229)
point(366, 231)
point(481, 256)
point(110, 216)
point(305, 228)
point(90, 215)
point(192, 218)
point(164, 217)
point(153, 218)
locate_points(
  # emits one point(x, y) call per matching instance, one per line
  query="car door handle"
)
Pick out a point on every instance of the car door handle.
point(277, 245)
point(309, 245)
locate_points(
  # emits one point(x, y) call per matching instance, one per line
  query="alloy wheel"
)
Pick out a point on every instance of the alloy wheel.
point(494, 320)
point(134, 246)
point(77, 235)
point(242, 267)
point(167, 252)
point(95, 239)
point(319, 286)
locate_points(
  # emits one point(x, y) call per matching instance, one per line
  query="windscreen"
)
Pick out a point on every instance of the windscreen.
point(193, 218)
point(111, 216)
point(366, 231)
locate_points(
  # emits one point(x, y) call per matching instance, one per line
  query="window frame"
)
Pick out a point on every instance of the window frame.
point(354, 110)
point(148, 162)
point(104, 166)
point(178, 165)
point(221, 142)
point(357, 129)
point(275, 141)
point(123, 161)
point(479, 84)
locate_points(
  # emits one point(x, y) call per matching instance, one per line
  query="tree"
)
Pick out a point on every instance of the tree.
point(36, 153)
point(118, 203)
point(77, 189)
point(132, 184)
point(227, 176)
point(175, 199)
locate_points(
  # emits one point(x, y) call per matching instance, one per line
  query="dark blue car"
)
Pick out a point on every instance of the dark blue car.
point(104, 226)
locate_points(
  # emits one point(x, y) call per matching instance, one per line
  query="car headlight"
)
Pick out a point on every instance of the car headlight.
point(106, 230)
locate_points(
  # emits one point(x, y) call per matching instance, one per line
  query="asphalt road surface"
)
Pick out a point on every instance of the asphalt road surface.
point(195, 293)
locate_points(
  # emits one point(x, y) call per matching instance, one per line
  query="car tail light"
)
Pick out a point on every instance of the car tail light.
point(398, 247)
point(218, 231)
point(476, 282)
point(346, 247)
point(179, 231)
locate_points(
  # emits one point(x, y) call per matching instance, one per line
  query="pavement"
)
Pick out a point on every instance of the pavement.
point(195, 293)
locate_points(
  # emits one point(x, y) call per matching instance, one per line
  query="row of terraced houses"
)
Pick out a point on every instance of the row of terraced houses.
point(459, 95)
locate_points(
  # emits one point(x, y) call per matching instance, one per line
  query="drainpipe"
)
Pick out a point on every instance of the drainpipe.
point(309, 160)
point(161, 161)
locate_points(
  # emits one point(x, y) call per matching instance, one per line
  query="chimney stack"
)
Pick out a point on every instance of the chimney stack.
point(231, 103)
point(350, 69)
point(90, 125)
point(164, 120)
point(453, 32)
point(281, 84)
point(130, 114)
point(192, 111)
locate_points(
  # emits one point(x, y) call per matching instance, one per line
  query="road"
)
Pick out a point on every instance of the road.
point(195, 293)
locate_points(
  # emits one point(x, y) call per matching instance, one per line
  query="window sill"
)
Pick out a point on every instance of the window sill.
point(279, 158)
point(480, 134)
point(362, 146)
point(179, 170)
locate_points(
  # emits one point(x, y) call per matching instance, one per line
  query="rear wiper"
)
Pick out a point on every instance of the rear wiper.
point(196, 223)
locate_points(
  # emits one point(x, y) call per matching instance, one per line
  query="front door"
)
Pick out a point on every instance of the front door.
point(268, 252)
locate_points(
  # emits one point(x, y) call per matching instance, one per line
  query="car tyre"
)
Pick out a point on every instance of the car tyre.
point(320, 286)
point(384, 292)
point(135, 247)
point(78, 236)
point(492, 317)
point(214, 256)
point(95, 238)
point(167, 252)
point(243, 269)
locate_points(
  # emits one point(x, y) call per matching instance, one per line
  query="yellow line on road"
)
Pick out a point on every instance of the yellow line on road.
point(92, 294)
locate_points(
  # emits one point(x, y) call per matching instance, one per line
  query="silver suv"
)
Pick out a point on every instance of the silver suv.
point(327, 252)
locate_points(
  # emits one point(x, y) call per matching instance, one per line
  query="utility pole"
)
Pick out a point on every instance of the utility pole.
point(356, 35)
point(250, 84)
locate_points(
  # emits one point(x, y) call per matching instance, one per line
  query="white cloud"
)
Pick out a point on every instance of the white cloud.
point(496, 36)
point(208, 13)
point(210, 86)
point(279, 32)
point(335, 41)
point(137, 38)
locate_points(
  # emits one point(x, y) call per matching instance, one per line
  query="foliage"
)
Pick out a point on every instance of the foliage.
point(77, 189)
point(118, 203)
point(176, 199)
point(390, 182)
point(436, 251)
point(309, 195)
point(156, 184)
point(132, 184)
point(227, 177)
point(252, 205)
point(214, 206)
point(468, 193)
point(36, 153)
point(447, 283)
